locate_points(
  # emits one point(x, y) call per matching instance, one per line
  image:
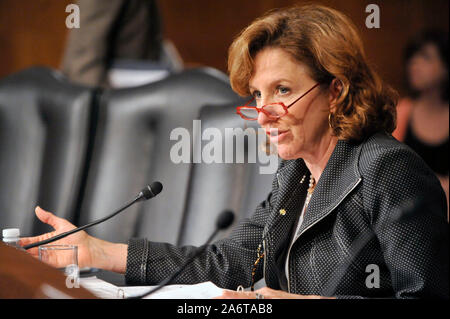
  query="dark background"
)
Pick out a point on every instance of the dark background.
point(34, 32)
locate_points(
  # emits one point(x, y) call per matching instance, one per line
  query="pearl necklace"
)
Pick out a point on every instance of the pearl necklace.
point(312, 185)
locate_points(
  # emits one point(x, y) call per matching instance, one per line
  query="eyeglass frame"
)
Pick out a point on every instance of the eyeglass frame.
point(261, 109)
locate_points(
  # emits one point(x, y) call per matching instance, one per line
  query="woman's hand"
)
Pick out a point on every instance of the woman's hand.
point(266, 293)
point(92, 252)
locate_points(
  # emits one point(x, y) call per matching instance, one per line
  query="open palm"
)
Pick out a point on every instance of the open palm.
point(60, 225)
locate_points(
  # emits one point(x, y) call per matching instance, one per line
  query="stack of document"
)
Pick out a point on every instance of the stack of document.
point(105, 290)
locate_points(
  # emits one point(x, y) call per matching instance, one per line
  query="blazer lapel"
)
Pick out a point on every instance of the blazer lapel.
point(292, 183)
point(340, 177)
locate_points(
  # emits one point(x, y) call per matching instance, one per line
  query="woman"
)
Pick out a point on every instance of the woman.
point(344, 198)
point(423, 117)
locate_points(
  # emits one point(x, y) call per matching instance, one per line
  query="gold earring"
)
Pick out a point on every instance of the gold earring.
point(329, 120)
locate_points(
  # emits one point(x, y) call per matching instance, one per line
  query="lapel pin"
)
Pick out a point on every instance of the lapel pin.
point(282, 212)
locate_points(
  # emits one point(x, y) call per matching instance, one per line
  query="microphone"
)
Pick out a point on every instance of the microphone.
point(224, 220)
point(148, 192)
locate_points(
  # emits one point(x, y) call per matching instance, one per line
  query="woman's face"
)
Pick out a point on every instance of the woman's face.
point(426, 69)
point(278, 77)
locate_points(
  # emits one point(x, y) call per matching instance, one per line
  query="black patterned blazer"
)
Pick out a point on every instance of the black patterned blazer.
point(376, 226)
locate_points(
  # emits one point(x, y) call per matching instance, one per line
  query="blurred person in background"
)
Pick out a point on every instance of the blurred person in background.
point(423, 117)
point(111, 30)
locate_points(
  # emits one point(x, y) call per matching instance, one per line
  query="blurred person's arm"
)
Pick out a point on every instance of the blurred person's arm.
point(444, 182)
point(403, 114)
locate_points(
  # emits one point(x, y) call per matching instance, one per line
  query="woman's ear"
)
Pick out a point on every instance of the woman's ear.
point(335, 90)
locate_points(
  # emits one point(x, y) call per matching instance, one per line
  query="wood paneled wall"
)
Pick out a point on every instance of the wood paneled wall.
point(33, 31)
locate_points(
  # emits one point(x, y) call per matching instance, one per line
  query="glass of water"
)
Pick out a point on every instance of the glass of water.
point(65, 258)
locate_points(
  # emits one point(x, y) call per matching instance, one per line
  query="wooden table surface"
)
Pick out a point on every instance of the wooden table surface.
point(24, 276)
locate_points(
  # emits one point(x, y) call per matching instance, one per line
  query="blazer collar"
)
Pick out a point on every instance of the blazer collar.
point(339, 178)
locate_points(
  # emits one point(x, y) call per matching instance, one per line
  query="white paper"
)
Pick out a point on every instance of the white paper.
point(204, 290)
point(103, 289)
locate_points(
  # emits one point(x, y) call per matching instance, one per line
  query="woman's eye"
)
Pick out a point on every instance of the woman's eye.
point(283, 90)
point(256, 94)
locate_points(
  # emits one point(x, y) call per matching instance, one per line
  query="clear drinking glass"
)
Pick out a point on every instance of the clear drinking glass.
point(64, 258)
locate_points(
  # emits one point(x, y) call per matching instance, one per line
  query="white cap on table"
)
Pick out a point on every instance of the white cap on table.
point(11, 232)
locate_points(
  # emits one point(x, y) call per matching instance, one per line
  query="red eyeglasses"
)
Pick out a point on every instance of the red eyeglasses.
point(273, 110)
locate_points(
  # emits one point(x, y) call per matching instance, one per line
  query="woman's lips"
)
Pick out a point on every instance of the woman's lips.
point(276, 135)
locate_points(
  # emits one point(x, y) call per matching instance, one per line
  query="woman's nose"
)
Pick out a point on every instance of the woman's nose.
point(263, 118)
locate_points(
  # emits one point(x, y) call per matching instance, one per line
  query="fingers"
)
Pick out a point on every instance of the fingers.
point(231, 294)
point(47, 217)
point(265, 293)
point(31, 240)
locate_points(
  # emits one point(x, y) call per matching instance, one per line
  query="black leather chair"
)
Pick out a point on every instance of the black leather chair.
point(132, 148)
point(44, 137)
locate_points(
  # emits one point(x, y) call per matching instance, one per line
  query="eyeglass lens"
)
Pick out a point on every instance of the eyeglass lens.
point(275, 110)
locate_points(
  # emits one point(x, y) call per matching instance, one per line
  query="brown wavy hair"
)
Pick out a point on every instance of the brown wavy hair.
point(327, 42)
